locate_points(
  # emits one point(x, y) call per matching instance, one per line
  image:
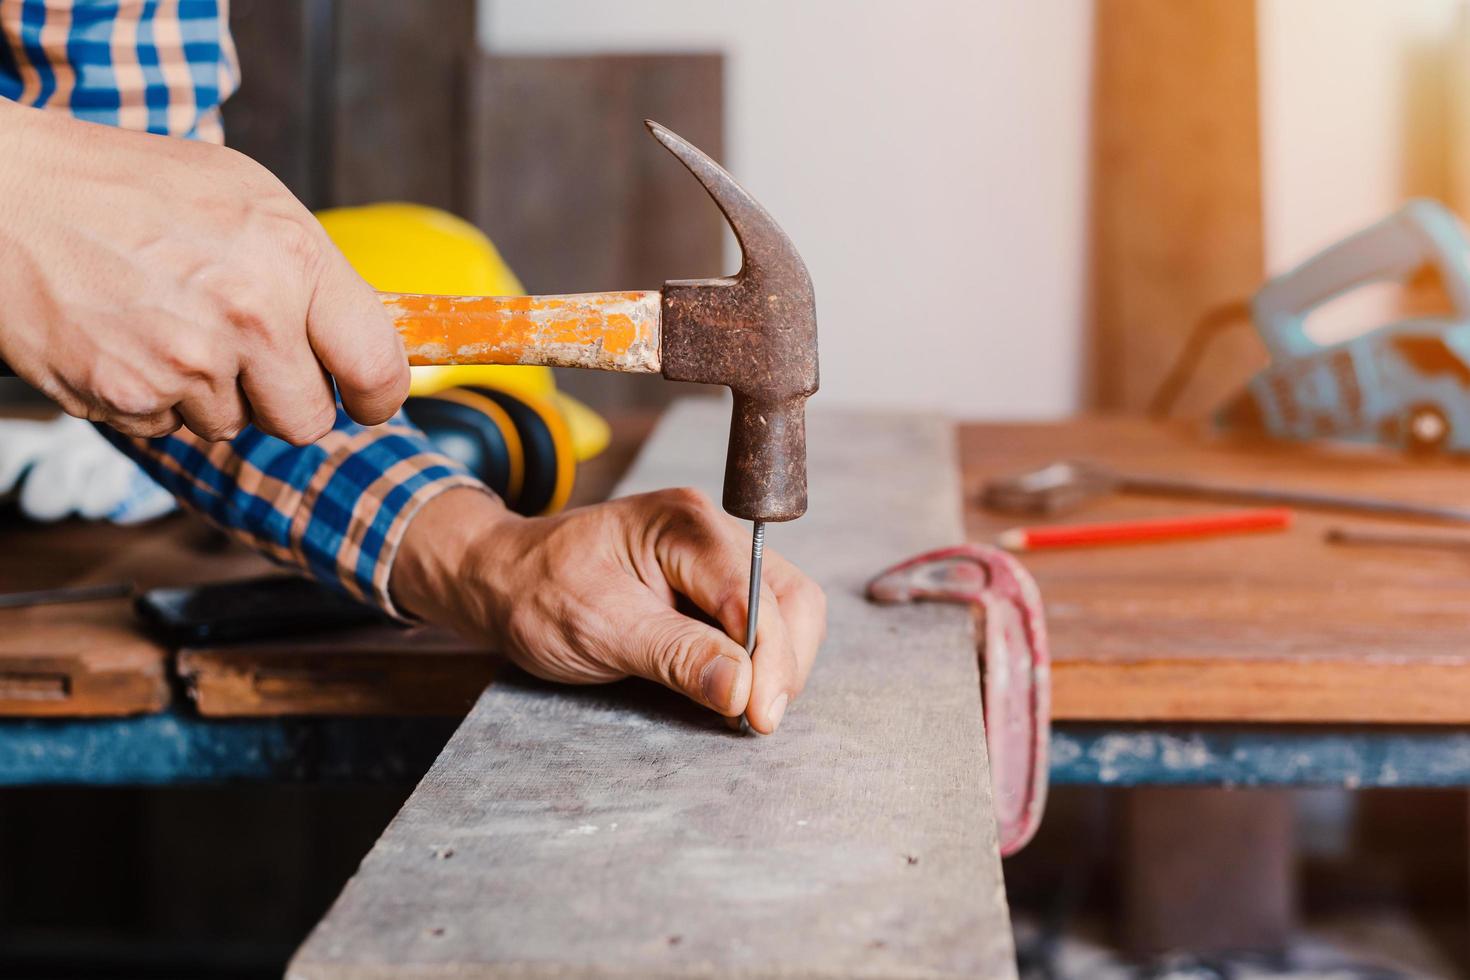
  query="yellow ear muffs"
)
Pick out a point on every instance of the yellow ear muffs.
point(551, 463)
point(509, 432)
point(485, 442)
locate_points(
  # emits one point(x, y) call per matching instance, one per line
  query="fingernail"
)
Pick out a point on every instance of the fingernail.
point(778, 709)
point(718, 683)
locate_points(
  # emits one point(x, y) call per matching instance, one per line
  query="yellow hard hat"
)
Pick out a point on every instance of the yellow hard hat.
point(410, 248)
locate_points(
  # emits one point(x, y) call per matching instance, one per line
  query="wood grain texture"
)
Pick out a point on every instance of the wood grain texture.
point(1272, 627)
point(91, 659)
point(1177, 218)
point(621, 831)
point(373, 670)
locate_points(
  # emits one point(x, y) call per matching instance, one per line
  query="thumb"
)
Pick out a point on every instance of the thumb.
point(354, 338)
point(687, 656)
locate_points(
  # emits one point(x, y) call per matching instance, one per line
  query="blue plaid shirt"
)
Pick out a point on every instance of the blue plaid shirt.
point(337, 509)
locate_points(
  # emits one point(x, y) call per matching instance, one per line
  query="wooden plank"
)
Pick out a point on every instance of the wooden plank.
point(375, 670)
point(1271, 627)
point(91, 659)
point(1176, 194)
point(621, 831)
point(88, 661)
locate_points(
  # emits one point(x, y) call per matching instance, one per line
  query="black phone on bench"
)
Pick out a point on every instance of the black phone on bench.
point(248, 609)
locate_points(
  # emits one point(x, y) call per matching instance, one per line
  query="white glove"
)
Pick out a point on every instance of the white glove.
point(66, 467)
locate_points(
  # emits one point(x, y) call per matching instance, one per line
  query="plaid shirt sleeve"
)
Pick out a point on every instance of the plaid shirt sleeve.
point(337, 509)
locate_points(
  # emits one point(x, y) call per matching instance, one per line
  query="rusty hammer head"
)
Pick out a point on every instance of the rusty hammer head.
point(755, 331)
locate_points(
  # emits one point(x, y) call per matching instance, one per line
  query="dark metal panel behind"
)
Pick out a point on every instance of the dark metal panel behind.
point(578, 197)
point(354, 102)
point(399, 92)
point(270, 117)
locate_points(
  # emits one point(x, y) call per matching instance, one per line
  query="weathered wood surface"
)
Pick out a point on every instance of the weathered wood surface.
point(1268, 627)
point(91, 659)
point(372, 670)
point(620, 831)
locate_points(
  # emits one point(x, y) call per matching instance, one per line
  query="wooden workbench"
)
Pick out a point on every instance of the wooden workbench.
point(1277, 627)
point(1266, 628)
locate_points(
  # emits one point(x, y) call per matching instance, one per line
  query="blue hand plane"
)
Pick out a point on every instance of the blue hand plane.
point(1403, 384)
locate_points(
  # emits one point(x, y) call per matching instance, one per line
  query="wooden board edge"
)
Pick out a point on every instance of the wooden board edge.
point(383, 686)
point(1275, 690)
point(78, 686)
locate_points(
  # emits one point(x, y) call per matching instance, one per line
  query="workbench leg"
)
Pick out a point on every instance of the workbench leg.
point(1207, 870)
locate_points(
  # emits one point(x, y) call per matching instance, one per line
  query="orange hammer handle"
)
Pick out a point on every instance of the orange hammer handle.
point(603, 331)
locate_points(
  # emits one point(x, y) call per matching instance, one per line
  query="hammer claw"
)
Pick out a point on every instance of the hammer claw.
point(755, 332)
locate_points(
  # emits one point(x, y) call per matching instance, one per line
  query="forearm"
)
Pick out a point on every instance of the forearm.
point(429, 577)
point(337, 510)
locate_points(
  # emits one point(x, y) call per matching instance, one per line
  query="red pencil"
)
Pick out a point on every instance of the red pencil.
point(1157, 529)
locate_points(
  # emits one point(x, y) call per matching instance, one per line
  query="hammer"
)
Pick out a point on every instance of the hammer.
point(755, 332)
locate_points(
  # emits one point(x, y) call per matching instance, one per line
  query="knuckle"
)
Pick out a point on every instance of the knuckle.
point(123, 397)
point(248, 314)
point(192, 355)
point(304, 432)
point(146, 428)
point(321, 420)
point(222, 430)
point(248, 169)
point(378, 370)
point(730, 607)
point(312, 421)
point(691, 499)
point(298, 241)
point(814, 595)
point(674, 654)
point(690, 512)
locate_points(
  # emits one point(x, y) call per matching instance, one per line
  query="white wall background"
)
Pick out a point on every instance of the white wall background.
point(929, 159)
point(1356, 116)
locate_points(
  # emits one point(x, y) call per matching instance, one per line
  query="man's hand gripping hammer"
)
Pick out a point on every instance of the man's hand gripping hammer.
point(755, 332)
